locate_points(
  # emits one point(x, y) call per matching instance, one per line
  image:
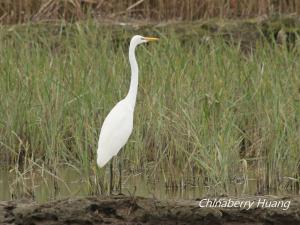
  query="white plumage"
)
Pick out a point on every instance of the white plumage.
point(115, 131)
point(118, 124)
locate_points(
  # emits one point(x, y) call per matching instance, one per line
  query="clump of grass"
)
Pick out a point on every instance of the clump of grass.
point(207, 114)
point(18, 11)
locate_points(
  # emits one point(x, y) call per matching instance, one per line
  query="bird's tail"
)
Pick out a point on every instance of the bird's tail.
point(102, 159)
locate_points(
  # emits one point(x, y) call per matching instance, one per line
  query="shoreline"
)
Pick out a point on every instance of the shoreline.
point(137, 210)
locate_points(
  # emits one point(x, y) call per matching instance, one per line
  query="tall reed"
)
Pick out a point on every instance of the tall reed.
point(18, 11)
point(206, 112)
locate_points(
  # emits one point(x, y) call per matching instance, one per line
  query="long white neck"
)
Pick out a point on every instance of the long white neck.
point(131, 96)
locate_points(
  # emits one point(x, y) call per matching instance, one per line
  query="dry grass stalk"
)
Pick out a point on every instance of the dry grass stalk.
point(18, 11)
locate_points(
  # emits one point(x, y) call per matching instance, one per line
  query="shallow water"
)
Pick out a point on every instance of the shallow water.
point(70, 183)
point(74, 185)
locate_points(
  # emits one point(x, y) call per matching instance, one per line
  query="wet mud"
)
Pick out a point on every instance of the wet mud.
point(137, 210)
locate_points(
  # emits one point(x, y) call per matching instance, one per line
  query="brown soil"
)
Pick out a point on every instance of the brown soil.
point(137, 210)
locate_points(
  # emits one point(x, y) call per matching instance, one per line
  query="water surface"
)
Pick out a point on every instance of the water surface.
point(70, 183)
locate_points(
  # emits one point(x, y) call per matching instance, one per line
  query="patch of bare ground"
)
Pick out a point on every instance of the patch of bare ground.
point(137, 210)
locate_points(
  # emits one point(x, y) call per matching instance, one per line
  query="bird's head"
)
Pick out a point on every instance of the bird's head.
point(138, 39)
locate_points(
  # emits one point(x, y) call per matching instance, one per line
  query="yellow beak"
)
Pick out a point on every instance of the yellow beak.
point(151, 38)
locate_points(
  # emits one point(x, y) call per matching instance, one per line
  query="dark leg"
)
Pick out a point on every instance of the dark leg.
point(111, 176)
point(120, 174)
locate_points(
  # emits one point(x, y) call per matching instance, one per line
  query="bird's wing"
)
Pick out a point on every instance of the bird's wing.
point(115, 132)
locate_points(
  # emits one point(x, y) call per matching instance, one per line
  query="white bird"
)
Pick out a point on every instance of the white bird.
point(118, 125)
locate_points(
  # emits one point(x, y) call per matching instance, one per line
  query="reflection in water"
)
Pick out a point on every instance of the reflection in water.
point(70, 183)
point(75, 185)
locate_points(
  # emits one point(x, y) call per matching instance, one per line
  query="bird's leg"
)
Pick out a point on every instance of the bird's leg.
point(120, 173)
point(111, 177)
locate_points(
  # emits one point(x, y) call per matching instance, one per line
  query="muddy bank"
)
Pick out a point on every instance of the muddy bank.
point(137, 210)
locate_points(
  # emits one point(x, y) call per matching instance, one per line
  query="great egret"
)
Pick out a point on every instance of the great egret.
point(118, 124)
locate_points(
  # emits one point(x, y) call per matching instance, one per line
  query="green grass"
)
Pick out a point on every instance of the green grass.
point(206, 111)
